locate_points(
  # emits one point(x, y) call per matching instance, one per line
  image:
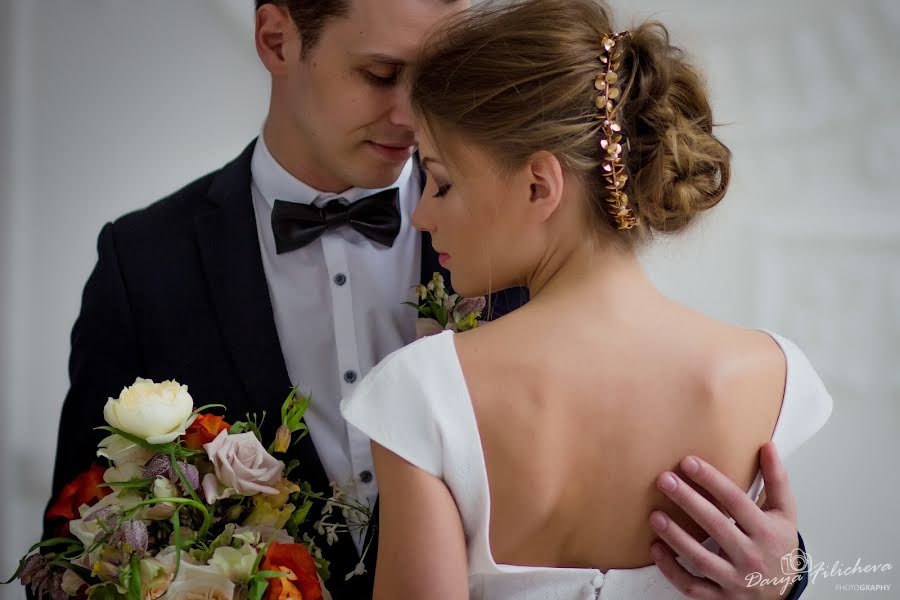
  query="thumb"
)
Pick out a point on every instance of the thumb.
point(778, 487)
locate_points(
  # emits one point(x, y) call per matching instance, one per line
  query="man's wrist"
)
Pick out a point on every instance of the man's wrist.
point(800, 585)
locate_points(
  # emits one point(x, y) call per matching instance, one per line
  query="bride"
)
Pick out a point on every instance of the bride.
point(520, 460)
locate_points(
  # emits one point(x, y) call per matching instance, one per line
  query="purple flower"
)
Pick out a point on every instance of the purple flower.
point(42, 578)
point(133, 534)
point(161, 466)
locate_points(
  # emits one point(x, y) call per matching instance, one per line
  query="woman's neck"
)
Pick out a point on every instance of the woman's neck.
point(604, 275)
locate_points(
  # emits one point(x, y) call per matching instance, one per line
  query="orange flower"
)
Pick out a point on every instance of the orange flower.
point(302, 581)
point(203, 430)
point(84, 489)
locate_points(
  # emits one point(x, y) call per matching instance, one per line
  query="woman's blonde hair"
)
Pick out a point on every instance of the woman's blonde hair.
point(518, 77)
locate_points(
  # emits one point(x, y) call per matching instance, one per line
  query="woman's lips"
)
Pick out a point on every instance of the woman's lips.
point(443, 258)
point(393, 153)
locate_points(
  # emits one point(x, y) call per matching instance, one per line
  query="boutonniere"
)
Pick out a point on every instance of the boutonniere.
point(439, 311)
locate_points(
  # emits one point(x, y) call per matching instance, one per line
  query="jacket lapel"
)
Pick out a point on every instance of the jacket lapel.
point(229, 248)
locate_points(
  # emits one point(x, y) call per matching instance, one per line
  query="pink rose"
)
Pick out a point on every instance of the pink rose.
point(242, 467)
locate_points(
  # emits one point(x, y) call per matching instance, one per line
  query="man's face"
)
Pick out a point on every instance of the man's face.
point(345, 101)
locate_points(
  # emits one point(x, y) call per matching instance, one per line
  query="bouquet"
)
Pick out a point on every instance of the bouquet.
point(189, 506)
point(440, 311)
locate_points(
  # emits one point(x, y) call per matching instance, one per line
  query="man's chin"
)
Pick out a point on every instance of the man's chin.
point(376, 174)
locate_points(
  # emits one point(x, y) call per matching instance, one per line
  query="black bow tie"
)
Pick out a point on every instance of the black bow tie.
point(377, 217)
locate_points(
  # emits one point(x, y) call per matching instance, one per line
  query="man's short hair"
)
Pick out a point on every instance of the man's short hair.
point(310, 16)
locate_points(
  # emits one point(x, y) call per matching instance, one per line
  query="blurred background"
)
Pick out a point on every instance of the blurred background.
point(108, 105)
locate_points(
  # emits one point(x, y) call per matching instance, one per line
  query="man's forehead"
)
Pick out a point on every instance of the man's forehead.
point(391, 31)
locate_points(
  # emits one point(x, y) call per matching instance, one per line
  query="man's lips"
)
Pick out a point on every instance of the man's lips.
point(394, 152)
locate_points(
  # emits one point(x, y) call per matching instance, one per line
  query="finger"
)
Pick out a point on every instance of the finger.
point(710, 565)
point(732, 498)
point(689, 585)
point(778, 486)
point(704, 513)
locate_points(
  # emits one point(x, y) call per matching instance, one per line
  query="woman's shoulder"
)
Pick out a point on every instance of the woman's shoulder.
point(402, 402)
point(762, 386)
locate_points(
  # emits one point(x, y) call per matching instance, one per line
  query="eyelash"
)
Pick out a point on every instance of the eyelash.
point(442, 190)
point(381, 81)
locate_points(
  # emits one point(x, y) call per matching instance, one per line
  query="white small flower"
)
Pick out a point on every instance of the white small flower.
point(235, 564)
point(359, 570)
point(332, 535)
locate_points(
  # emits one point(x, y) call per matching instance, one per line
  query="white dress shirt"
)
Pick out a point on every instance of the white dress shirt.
point(338, 305)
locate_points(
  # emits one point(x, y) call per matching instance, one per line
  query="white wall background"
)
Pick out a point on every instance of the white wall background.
point(107, 105)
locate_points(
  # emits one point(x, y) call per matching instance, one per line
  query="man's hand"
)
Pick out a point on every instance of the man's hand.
point(766, 534)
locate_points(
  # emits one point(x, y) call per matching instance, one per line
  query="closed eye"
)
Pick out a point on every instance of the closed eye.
point(381, 81)
point(442, 190)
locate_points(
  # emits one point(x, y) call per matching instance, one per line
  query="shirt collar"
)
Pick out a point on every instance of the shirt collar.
point(274, 181)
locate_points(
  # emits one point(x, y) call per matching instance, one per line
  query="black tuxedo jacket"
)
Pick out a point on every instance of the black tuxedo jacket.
point(179, 292)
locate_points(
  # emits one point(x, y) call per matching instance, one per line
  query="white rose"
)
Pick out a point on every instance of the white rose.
point(236, 565)
point(156, 412)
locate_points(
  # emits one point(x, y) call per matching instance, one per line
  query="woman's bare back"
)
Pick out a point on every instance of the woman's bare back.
point(578, 417)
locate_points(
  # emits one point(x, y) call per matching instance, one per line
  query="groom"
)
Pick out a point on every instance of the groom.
point(287, 266)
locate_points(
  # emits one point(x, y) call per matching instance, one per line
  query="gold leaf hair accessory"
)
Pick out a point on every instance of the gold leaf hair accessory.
point(611, 140)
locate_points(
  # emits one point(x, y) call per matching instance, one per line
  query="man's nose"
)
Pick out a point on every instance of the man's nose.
point(401, 113)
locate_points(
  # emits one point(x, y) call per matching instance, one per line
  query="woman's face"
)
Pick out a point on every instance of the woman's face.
point(475, 215)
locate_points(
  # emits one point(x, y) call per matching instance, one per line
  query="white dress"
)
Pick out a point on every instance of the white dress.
point(416, 404)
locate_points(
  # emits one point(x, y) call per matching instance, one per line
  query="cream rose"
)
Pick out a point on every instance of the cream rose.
point(156, 412)
point(242, 466)
point(198, 583)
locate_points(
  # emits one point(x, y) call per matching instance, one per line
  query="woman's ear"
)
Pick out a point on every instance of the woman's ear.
point(546, 181)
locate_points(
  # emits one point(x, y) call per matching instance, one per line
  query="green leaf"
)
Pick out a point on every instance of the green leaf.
point(134, 578)
point(298, 518)
point(176, 526)
point(257, 589)
point(104, 591)
point(158, 448)
point(205, 406)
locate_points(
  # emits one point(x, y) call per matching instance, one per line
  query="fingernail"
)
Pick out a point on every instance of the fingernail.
point(656, 552)
point(667, 482)
point(691, 465)
point(658, 521)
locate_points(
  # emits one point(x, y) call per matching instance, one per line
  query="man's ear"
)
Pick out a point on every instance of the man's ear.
point(545, 177)
point(275, 32)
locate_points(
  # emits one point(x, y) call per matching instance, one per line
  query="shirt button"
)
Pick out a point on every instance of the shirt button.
point(349, 376)
point(598, 580)
point(365, 476)
point(340, 279)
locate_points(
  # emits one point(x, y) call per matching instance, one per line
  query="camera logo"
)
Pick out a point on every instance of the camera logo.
point(795, 562)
